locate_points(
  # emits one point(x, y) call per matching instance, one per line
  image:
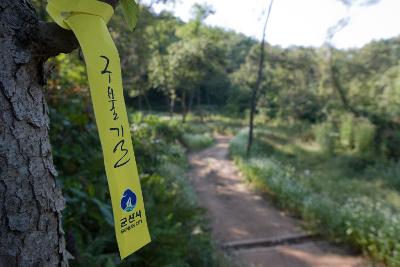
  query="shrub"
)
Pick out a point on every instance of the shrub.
point(388, 172)
point(326, 135)
point(347, 130)
point(170, 132)
point(337, 208)
point(364, 134)
point(179, 232)
point(237, 146)
point(197, 141)
point(195, 128)
point(391, 143)
point(375, 228)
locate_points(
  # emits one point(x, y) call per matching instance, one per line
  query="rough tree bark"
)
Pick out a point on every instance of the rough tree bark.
point(30, 199)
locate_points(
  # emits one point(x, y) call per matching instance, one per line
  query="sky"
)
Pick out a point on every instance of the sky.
point(300, 22)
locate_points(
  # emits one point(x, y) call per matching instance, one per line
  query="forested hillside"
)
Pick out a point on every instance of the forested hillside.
point(177, 67)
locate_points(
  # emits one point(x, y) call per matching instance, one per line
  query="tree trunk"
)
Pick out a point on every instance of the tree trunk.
point(146, 99)
point(253, 104)
point(30, 199)
point(183, 105)
point(337, 85)
point(208, 98)
point(256, 88)
point(31, 202)
point(140, 102)
point(191, 98)
point(172, 105)
point(167, 92)
point(199, 109)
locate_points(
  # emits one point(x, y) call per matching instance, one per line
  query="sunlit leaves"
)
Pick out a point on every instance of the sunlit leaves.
point(131, 12)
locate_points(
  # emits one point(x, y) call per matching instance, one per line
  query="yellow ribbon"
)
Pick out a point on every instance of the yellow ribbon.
point(88, 20)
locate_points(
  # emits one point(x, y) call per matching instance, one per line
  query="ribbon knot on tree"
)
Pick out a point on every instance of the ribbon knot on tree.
point(88, 20)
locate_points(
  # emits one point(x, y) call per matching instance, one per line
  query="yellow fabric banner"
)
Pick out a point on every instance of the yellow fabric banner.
point(88, 20)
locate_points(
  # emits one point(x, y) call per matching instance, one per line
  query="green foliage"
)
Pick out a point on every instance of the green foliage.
point(374, 227)
point(197, 141)
point(131, 12)
point(238, 144)
point(198, 66)
point(388, 172)
point(356, 134)
point(344, 210)
point(326, 136)
point(177, 226)
point(391, 143)
point(347, 130)
point(364, 134)
point(166, 62)
point(195, 127)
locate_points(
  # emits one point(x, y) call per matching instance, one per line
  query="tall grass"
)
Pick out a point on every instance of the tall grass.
point(197, 141)
point(347, 130)
point(326, 135)
point(178, 229)
point(364, 134)
point(343, 210)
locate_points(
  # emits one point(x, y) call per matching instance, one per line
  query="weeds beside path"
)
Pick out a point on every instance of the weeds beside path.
point(242, 220)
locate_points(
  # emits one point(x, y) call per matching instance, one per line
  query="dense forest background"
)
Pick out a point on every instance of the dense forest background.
point(327, 124)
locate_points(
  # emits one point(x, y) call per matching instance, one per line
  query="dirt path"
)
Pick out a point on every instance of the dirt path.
point(250, 228)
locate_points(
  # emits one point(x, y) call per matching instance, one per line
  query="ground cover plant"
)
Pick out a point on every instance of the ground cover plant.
point(347, 197)
point(179, 231)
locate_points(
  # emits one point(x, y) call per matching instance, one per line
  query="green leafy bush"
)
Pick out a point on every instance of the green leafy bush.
point(195, 128)
point(391, 143)
point(374, 227)
point(178, 230)
point(347, 130)
point(237, 146)
point(341, 209)
point(388, 172)
point(364, 134)
point(197, 141)
point(326, 135)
